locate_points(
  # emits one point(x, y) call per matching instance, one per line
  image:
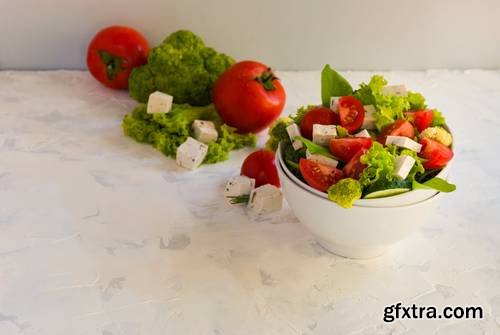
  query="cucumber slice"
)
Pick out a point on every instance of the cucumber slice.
point(386, 193)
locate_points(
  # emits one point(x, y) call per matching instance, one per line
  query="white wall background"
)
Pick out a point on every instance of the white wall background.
point(286, 34)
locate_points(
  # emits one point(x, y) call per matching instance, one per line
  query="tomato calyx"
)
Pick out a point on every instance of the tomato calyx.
point(266, 79)
point(113, 64)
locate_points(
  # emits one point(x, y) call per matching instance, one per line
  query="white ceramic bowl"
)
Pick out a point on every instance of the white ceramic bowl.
point(407, 198)
point(358, 232)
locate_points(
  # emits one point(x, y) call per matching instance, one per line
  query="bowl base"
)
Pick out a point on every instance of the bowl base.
point(352, 252)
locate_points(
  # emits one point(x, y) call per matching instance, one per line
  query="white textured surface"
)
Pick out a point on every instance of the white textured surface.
point(101, 235)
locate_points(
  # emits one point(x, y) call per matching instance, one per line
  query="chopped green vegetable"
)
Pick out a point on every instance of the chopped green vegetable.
point(291, 157)
point(345, 192)
point(387, 192)
point(166, 132)
point(435, 183)
point(277, 133)
point(438, 119)
point(333, 85)
point(181, 66)
point(342, 132)
point(380, 166)
point(314, 148)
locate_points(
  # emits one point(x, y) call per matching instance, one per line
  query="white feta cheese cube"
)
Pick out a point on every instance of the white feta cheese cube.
point(403, 142)
point(265, 199)
point(334, 104)
point(238, 186)
point(404, 163)
point(323, 134)
point(362, 133)
point(159, 102)
point(321, 159)
point(399, 90)
point(294, 131)
point(191, 153)
point(369, 120)
point(204, 131)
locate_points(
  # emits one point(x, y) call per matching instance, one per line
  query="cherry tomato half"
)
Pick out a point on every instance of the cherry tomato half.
point(422, 119)
point(319, 176)
point(319, 115)
point(354, 167)
point(398, 128)
point(351, 112)
point(437, 155)
point(346, 148)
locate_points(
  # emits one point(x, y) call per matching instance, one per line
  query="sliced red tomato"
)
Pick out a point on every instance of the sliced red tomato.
point(437, 155)
point(422, 119)
point(319, 115)
point(346, 148)
point(398, 128)
point(351, 112)
point(354, 167)
point(319, 176)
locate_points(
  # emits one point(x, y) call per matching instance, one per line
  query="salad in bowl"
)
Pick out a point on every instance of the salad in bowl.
point(365, 146)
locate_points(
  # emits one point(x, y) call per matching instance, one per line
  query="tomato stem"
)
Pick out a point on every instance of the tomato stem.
point(113, 64)
point(266, 80)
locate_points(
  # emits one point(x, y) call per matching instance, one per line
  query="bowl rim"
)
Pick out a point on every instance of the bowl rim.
point(360, 202)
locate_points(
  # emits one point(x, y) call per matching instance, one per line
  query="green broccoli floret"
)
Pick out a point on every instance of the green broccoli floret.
point(181, 66)
point(345, 192)
point(166, 132)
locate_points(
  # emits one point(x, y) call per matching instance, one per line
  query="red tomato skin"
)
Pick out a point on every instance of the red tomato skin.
point(437, 155)
point(422, 119)
point(398, 128)
point(346, 148)
point(261, 166)
point(118, 41)
point(319, 176)
point(354, 167)
point(319, 115)
point(243, 102)
point(346, 106)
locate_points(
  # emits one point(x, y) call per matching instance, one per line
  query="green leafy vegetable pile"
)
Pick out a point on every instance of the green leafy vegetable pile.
point(181, 66)
point(166, 132)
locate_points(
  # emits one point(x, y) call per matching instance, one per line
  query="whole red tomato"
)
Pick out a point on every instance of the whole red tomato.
point(260, 165)
point(248, 96)
point(113, 53)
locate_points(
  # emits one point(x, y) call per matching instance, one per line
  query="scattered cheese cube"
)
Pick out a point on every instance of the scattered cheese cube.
point(265, 199)
point(204, 131)
point(294, 131)
point(334, 104)
point(362, 133)
point(159, 102)
point(238, 186)
point(321, 159)
point(399, 90)
point(403, 142)
point(323, 134)
point(404, 163)
point(369, 120)
point(191, 153)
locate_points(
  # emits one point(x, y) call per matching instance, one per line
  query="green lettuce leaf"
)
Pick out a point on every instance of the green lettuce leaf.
point(333, 85)
point(167, 131)
point(438, 119)
point(277, 133)
point(380, 166)
point(435, 183)
point(314, 148)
